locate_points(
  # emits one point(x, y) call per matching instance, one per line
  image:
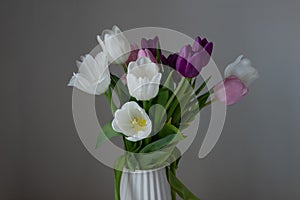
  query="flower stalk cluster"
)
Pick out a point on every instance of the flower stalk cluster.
point(156, 105)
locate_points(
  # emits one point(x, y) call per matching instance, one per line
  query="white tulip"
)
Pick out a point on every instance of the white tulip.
point(143, 79)
point(115, 44)
point(242, 69)
point(93, 74)
point(132, 121)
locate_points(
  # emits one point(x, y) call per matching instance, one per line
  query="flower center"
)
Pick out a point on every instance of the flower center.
point(138, 123)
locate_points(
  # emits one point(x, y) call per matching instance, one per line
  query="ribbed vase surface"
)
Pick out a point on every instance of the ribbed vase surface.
point(145, 185)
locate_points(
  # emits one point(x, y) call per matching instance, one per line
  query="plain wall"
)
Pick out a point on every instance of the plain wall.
point(42, 157)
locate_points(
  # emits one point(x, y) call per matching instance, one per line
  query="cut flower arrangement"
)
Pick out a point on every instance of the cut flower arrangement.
point(151, 77)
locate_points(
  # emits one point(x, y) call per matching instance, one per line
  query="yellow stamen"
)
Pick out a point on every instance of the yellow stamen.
point(138, 123)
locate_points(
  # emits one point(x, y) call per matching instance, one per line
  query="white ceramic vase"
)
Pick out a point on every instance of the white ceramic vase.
point(145, 185)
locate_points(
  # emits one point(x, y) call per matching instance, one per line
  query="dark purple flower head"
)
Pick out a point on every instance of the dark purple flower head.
point(133, 53)
point(191, 59)
point(153, 45)
point(172, 60)
point(199, 45)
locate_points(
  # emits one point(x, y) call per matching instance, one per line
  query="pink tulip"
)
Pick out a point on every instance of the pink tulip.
point(146, 53)
point(230, 91)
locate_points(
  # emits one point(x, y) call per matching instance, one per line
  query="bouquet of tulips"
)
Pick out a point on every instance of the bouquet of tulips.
point(158, 97)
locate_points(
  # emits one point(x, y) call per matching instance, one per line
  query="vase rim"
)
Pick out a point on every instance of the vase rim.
point(126, 170)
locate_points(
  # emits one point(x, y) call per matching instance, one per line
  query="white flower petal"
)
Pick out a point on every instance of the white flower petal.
point(93, 76)
point(143, 79)
point(116, 29)
point(133, 139)
point(132, 121)
point(242, 69)
point(115, 44)
point(81, 83)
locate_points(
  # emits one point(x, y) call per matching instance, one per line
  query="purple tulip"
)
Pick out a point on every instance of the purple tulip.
point(153, 45)
point(172, 60)
point(190, 60)
point(230, 90)
point(133, 53)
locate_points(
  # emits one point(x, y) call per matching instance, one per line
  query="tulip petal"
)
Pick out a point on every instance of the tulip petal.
point(208, 48)
point(172, 60)
point(126, 121)
point(140, 79)
point(115, 44)
point(230, 91)
point(242, 69)
point(93, 75)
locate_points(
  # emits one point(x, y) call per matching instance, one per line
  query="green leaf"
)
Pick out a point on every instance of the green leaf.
point(105, 134)
point(177, 116)
point(120, 89)
point(158, 112)
point(172, 108)
point(118, 168)
point(131, 162)
point(184, 95)
point(132, 146)
point(154, 159)
point(202, 86)
point(158, 153)
point(173, 166)
point(157, 115)
point(167, 129)
point(193, 83)
point(162, 96)
point(124, 67)
point(169, 83)
point(108, 95)
point(174, 94)
point(202, 99)
point(174, 157)
point(178, 186)
point(161, 143)
point(169, 134)
point(158, 59)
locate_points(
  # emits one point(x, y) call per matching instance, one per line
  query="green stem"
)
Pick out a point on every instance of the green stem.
point(175, 93)
point(178, 187)
point(108, 95)
point(124, 67)
point(145, 105)
point(118, 169)
point(147, 141)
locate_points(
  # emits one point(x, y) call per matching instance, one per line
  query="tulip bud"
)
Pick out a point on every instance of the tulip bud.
point(242, 69)
point(143, 79)
point(93, 76)
point(115, 44)
point(230, 91)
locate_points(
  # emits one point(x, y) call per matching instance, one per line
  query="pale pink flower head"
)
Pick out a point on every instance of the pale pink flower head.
point(146, 53)
point(230, 91)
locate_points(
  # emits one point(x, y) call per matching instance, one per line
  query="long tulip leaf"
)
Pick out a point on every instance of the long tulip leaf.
point(105, 134)
point(118, 169)
point(179, 187)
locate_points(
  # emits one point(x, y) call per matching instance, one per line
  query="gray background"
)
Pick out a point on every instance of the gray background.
point(257, 156)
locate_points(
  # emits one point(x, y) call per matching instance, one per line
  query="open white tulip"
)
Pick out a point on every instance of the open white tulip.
point(132, 121)
point(242, 69)
point(93, 74)
point(115, 44)
point(143, 79)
